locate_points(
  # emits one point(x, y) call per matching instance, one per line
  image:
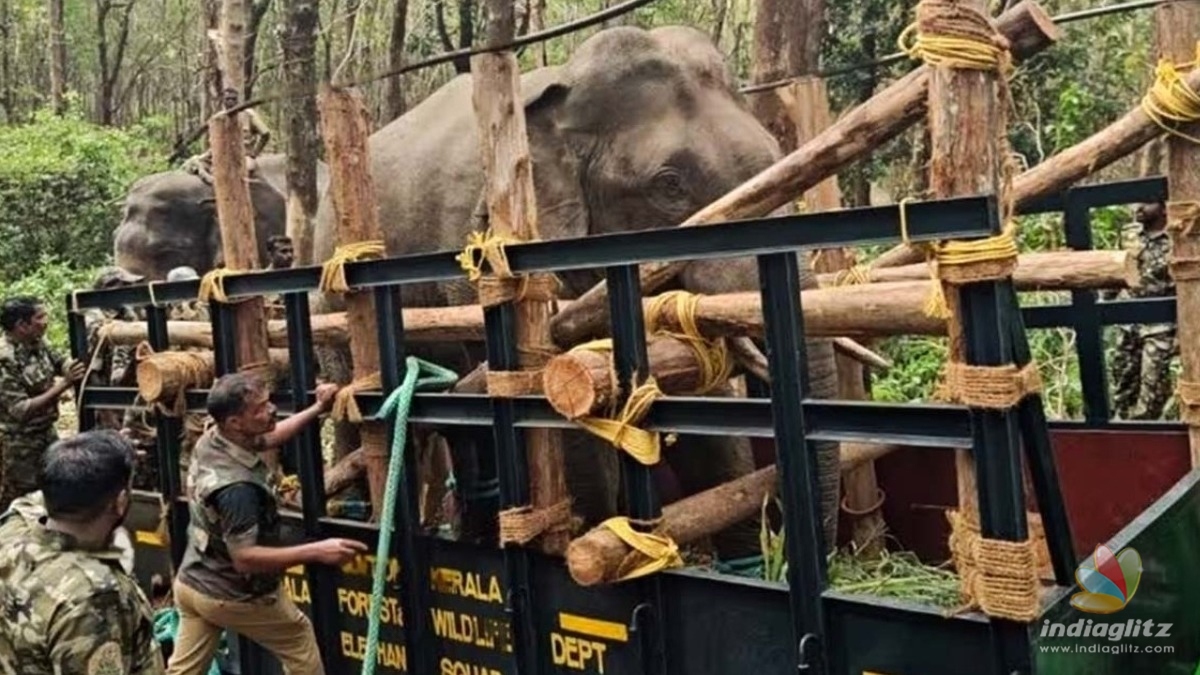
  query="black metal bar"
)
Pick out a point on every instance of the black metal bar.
point(1089, 339)
point(78, 343)
point(1114, 193)
point(167, 434)
point(1110, 313)
point(306, 448)
point(930, 220)
point(632, 366)
point(997, 464)
point(224, 338)
point(783, 327)
point(513, 474)
point(1040, 453)
point(415, 597)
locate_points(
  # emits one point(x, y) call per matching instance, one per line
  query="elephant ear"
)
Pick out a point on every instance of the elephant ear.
point(562, 208)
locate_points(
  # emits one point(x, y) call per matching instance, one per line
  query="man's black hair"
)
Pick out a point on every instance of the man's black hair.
point(81, 474)
point(17, 309)
point(230, 393)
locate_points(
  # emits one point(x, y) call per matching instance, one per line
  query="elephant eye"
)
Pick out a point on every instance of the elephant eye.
point(668, 183)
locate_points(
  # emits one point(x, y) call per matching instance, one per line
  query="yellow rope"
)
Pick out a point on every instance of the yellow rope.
point(713, 355)
point(333, 272)
point(212, 285)
point(489, 247)
point(968, 41)
point(658, 552)
point(1170, 97)
point(642, 445)
point(856, 274)
point(345, 406)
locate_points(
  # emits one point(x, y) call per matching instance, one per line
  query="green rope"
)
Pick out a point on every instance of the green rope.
point(750, 566)
point(397, 403)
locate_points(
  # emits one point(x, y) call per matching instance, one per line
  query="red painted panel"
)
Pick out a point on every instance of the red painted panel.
point(1107, 479)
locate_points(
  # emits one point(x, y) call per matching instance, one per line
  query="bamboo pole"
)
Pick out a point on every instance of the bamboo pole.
point(512, 213)
point(1027, 27)
point(345, 129)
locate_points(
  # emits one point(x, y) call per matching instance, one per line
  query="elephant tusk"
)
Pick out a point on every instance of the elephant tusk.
point(860, 353)
point(747, 355)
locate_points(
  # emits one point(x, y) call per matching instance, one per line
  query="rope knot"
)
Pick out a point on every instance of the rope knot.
point(651, 552)
point(485, 246)
point(333, 271)
point(345, 406)
point(212, 285)
point(1171, 99)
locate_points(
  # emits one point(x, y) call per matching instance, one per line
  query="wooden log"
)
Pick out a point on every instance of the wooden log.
point(344, 473)
point(162, 375)
point(582, 383)
point(1028, 28)
point(1178, 29)
point(512, 212)
point(1040, 271)
point(345, 129)
point(1117, 140)
point(595, 557)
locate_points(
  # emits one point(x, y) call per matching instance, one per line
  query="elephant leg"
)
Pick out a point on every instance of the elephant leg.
point(476, 483)
point(593, 477)
point(704, 462)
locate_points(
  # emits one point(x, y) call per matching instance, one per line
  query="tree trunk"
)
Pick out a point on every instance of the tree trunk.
point(212, 58)
point(161, 376)
point(395, 84)
point(1178, 28)
point(787, 43)
point(58, 58)
point(854, 135)
point(258, 10)
point(299, 44)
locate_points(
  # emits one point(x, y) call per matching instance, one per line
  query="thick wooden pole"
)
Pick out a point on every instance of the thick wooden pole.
point(1036, 271)
point(1178, 29)
point(512, 212)
point(345, 128)
point(967, 125)
point(858, 132)
point(235, 213)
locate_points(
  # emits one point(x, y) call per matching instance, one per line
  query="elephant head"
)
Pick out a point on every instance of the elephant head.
point(170, 219)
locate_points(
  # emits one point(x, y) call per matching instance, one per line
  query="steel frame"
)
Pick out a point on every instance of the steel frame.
point(824, 624)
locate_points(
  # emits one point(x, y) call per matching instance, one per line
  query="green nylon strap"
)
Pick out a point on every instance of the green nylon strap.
point(397, 404)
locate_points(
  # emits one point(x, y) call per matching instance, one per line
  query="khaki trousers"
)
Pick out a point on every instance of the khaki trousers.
point(280, 627)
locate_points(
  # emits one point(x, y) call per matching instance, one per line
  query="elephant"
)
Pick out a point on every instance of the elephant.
point(170, 219)
point(638, 130)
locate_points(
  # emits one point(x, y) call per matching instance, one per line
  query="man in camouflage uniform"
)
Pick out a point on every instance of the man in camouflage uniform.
point(1143, 355)
point(232, 567)
point(29, 393)
point(66, 603)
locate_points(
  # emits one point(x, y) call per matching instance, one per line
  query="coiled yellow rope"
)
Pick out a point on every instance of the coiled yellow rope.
point(963, 38)
point(657, 552)
point(333, 271)
point(1171, 99)
point(713, 355)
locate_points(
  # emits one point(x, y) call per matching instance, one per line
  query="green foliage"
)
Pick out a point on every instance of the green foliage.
point(53, 280)
point(62, 181)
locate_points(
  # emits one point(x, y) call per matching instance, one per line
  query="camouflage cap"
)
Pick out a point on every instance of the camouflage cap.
point(114, 276)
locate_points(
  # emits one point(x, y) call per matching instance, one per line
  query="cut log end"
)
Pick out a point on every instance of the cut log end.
point(572, 386)
point(588, 564)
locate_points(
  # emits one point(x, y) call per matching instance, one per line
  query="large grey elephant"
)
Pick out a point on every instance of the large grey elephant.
point(638, 130)
point(170, 218)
